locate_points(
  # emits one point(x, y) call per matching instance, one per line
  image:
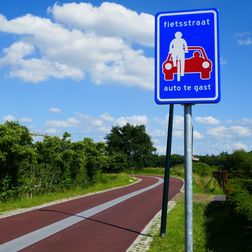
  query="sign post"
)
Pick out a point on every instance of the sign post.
point(187, 72)
point(167, 173)
point(188, 177)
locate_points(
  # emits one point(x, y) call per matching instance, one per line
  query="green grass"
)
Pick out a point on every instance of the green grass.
point(175, 235)
point(204, 188)
point(107, 181)
point(201, 184)
point(206, 184)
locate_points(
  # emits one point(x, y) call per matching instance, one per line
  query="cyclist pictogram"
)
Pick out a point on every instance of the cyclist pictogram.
point(178, 48)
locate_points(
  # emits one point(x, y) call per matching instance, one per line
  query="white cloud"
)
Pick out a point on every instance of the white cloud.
point(208, 120)
point(229, 132)
point(239, 146)
point(244, 38)
point(241, 131)
point(160, 121)
point(101, 124)
point(160, 149)
point(9, 118)
point(104, 129)
point(178, 123)
point(107, 117)
point(197, 135)
point(109, 19)
point(51, 131)
point(158, 133)
point(15, 53)
point(90, 121)
point(134, 120)
point(132, 68)
point(242, 34)
point(208, 140)
point(55, 110)
point(178, 133)
point(13, 118)
point(33, 69)
point(218, 132)
point(246, 121)
point(25, 119)
point(96, 46)
point(70, 122)
point(245, 42)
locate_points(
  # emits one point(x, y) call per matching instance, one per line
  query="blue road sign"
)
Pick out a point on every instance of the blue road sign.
point(187, 57)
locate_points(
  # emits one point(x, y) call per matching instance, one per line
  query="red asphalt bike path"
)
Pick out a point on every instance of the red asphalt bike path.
point(111, 230)
point(15, 226)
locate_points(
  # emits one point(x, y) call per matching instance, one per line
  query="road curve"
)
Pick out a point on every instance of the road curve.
point(108, 221)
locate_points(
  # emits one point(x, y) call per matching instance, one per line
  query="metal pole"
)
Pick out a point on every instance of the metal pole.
point(188, 178)
point(167, 173)
point(192, 141)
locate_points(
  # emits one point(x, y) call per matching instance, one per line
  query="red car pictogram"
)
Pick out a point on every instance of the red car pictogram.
point(199, 63)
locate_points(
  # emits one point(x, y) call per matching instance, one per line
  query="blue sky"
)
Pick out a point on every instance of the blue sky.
point(85, 66)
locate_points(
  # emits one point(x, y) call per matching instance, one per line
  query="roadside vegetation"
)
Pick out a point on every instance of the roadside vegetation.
point(174, 239)
point(205, 187)
point(218, 226)
point(106, 181)
point(35, 172)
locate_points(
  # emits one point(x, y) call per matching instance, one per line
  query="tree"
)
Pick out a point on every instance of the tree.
point(131, 141)
point(16, 154)
point(91, 154)
point(176, 159)
point(240, 161)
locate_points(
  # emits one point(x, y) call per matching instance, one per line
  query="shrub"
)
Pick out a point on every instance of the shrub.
point(239, 195)
point(203, 169)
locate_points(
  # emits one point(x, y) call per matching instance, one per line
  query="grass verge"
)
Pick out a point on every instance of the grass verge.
point(201, 184)
point(107, 181)
point(206, 184)
point(175, 237)
point(204, 189)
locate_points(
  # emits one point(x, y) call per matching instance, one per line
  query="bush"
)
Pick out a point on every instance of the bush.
point(16, 157)
point(203, 169)
point(177, 170)
point(239, 195)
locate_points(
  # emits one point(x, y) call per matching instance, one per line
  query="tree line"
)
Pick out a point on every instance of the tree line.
point(28, 168)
